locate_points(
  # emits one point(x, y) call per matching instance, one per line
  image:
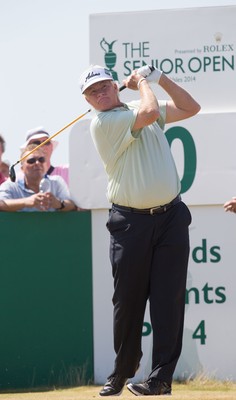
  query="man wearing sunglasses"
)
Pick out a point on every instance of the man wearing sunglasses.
point(27, 194)
point(37, 136)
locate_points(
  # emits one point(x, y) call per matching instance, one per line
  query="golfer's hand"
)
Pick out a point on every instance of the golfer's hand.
point(132, 81)
point(151, 73)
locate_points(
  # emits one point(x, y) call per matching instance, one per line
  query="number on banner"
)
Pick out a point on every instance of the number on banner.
point(200, 332)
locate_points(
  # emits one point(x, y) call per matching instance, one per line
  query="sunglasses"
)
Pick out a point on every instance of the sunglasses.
point(38, 142)
point(34, 159)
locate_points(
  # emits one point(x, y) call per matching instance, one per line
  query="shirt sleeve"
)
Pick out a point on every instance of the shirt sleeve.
point(162, 119)
point(111, 134)
point(162, 109)
point(7, 190)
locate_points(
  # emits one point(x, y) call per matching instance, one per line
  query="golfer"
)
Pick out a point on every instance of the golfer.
point(148, 222)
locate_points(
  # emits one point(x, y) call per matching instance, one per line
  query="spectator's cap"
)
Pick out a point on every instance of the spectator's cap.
point(37, 133)
point(94, 74)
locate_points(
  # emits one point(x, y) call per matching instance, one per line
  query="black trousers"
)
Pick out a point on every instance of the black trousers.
point(149, 257)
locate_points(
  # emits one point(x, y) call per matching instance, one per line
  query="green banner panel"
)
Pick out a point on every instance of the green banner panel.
point(46, 328)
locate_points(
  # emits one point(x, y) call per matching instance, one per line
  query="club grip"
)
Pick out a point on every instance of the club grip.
point(122, 88)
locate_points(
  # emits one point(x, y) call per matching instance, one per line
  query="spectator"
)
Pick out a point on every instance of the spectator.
point(37, 136)
point(2, 150)
point(5, 165)
point(25, 194)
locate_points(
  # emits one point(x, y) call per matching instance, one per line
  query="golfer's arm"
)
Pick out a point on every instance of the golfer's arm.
point(149, 109)
point(182, 105)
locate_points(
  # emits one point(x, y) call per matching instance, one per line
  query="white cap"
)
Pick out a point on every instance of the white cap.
point(37, 133)
point(94, 74)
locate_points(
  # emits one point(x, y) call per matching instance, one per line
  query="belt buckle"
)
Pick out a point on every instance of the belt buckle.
point(154, 208)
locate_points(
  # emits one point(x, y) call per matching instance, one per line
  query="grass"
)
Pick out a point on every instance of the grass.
point(198, 389)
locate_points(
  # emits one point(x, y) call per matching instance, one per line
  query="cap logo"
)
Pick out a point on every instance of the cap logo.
point(93, 74)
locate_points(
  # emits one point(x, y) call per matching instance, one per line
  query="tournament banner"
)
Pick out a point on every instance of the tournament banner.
point(195, 47)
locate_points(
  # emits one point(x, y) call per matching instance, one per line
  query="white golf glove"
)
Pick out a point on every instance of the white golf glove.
point(151, 73)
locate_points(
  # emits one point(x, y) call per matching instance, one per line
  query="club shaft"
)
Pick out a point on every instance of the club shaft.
point(57, 133)
point(122, 88)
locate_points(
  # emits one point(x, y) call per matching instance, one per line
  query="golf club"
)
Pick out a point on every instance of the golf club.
point(12, 174)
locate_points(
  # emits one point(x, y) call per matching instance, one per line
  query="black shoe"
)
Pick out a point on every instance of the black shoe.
point(114, 386)
point(150, 388)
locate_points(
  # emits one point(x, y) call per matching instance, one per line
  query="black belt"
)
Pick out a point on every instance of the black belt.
point(150, 211)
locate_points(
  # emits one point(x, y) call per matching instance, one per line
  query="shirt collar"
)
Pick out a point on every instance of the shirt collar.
point(119, 108)
point(21, 184)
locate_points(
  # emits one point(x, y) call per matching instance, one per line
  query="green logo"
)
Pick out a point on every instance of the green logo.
point(110, 57)
point(190, 154)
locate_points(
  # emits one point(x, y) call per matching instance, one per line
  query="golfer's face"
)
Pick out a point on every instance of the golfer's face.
point(102, 95)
